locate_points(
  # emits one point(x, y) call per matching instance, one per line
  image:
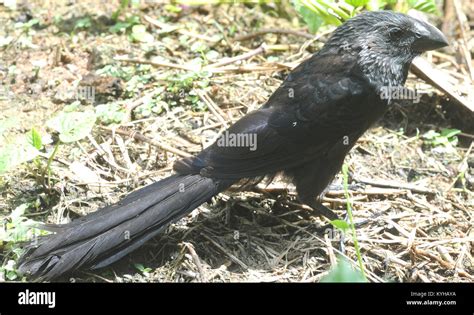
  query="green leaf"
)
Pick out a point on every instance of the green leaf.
point(448, 133)
point(446, 138)
point(18, 212)
point(123, 6)
point(83, 23)
point(11, 275)
point(311, 19)
point(140, 34)
point(36, 139)
point(142, 268)
point(14, 154)
point(73, 126)
point(110, 113)
point(343, 272)
point(431, 134)
point(357, 3)
point(374, 5)
point(340, 224)
point(428, 6)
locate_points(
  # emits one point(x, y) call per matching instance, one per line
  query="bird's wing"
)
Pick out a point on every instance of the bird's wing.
point(308, 114)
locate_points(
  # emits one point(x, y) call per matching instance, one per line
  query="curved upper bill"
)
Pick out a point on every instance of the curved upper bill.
point(429, 37)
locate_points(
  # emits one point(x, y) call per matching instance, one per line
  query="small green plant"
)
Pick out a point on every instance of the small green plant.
point(343, 272)
point(110, 113)
point(126, 25)
point(22, 149)
point(16, 228)
point(83, 23)
point(71, 126)
point(25, 39)
point(144, 270)
point(140, 34)
point(124, 73)
point(123, 5)
point(27, 27)
point(345, 226)
point(181, 89)
point(445, 138)
point(317, 13)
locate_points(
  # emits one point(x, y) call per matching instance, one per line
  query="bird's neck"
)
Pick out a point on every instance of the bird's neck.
point(382, 70)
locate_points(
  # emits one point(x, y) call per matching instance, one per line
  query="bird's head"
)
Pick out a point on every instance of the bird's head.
point(386, 43)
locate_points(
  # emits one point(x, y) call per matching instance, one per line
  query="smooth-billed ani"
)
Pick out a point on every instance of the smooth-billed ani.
point(304, 130)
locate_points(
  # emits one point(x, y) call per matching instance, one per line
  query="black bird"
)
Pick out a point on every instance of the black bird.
point(304, 131)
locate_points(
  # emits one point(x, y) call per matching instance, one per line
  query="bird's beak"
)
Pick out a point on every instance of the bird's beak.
point(428, 37)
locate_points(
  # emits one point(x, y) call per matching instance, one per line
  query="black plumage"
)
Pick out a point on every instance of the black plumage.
point(304, 130)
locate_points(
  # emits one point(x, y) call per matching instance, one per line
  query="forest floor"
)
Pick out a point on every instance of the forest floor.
point(167, 90)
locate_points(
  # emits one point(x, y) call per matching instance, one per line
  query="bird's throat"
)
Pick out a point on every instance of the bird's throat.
point(384, 71)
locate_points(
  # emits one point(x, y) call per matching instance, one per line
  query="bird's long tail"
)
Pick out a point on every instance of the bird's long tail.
point(105, 236)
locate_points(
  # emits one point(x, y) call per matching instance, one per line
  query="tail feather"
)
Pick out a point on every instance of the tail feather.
point(107, 235)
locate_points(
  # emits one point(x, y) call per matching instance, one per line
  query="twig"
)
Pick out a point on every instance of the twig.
point(466, 135)
point(138, 136)
point(212, 107)
point(392, 184)
point(252, 68)
point(461, 166)
point(130, 107)
point(425, 71)
point(226, 61)
point(332, 257)
point(448, 18)
point(261, 32)
point(196, 259)
point(222, 249)
point(104, 151)
point(439, 260)
point(215, 67)
point(465, 50)
point(166, 28)
point(158, 64)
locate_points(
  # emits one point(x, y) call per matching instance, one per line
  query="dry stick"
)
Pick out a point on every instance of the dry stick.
point(460, 166)
point(393, 184)
point(442, 262)
point(216, 111)
point(139, 137)
point(157, 63)
point(258, 33)
point(130, 107)
point(278, 188)
point(222, 249)
point(226, 61)
point(106, 154)
point(425, 71)
point(166, 28)
point(445, 255)
point(196, 259)
point(424, 204)
point(466, 135)
point(332, 257)
point(215, 67)
point(460, 259)
point(253, 68)
point(467, 54)
point(447, 27)
point(369, 191)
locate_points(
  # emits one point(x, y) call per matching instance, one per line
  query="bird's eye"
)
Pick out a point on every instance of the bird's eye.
point(396, 32)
